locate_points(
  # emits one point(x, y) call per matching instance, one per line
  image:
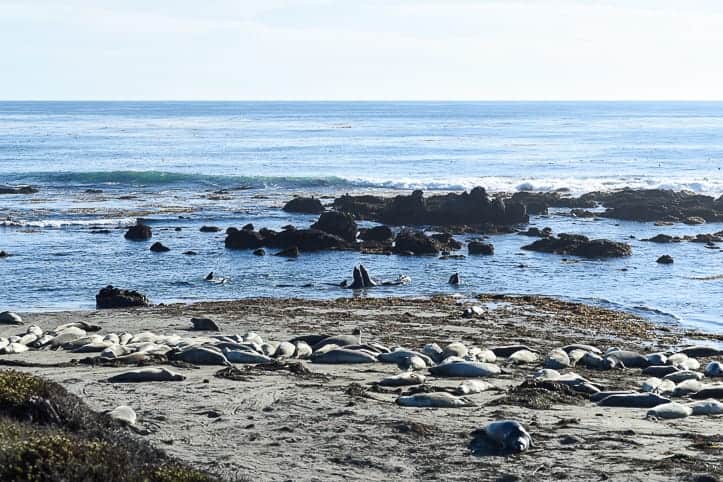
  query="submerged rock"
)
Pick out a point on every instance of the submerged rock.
point(139, 232)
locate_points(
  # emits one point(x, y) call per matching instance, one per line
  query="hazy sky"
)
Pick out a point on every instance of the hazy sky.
point(375, 49)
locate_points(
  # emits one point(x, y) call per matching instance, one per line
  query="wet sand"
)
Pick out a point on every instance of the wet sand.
point(332, 424)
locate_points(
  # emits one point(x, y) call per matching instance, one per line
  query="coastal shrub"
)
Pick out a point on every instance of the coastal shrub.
point(48, 434)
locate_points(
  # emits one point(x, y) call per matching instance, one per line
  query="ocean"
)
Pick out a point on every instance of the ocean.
point(188, 164)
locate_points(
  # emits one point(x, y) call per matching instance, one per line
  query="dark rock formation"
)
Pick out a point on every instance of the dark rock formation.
point(308, 205)
point(17, 190)
point(157, 247)
point(665, 259)
point(378, 233)
point(414, 242)
point(660, 205)
point(190, 253)
point(579, 245)
point(536, 232)
point(110, 297)
point(291, 252)
point(446, 241)
point(663, 238)
point(210, 229)
point(478, 247)
point(473, 208)
point(339, 224)
point(539, 202)
point(4, 254)
point(708, 238)
point(243, 239)
point(139, 232)
point(260, 252)
point(303, 239)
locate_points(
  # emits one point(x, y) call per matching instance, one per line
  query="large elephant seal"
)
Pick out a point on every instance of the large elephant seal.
point(340, 340)
point(358, 281)
point(147, 375)
point(455, 280)
point(342, 355)
point(10, 318)
point(200, 355)
point(670, 410)
point(633, 400)
point(714, 369)
point(508, 435)
point(204, 324)
point(433, 400)
point(464, 369)
point(366, 279)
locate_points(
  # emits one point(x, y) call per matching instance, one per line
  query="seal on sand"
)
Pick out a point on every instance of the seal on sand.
point(204, 324)
point(147, 375)
point(465, 369)
point(434, 399)
point(10, 318)
point(508, 435)
point(402, 380)
point(633, 400)
point(341, 355)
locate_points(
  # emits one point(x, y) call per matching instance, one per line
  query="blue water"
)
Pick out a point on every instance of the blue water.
point(165, 161)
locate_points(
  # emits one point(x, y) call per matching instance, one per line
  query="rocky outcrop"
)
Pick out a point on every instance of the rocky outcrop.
point(139, 232)
point(291, 252)
point(210, 229)
point(158, 247)
point(665, 259)
point(479, 247)
point(578, 245)
point(661, 205)
point(536, 232)
point(663, 238)
point(17, 190)
point(414, 243)
point(473, 208)
point(111, 297)
point(539, 202)
point(339, 224)
point(378, 234)
point(307, 205)
point(303, 239)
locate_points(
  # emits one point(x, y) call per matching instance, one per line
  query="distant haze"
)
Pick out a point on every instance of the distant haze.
point(361, 50)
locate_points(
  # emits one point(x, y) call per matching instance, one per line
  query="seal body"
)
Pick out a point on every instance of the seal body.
point(635, 400)
point(508, 435)
point(147, 375)
point(433, 400)
point(465, 369)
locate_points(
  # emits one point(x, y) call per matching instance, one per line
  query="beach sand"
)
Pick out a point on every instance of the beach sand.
point(332, 425)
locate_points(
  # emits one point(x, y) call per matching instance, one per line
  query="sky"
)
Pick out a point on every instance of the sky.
point(361, 50)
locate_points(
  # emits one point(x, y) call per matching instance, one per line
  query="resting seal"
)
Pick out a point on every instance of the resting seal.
point(508, 435)
point(434, 399)
point(402, 380)
point(147, 375)
point(342, 355)
point(464, 369)
point(670, 410)
point(204, 324)
point(10, 318)
point(714, 369)
point(633, 400)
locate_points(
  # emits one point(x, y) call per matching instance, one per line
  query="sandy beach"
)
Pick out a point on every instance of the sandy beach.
point(334, 424)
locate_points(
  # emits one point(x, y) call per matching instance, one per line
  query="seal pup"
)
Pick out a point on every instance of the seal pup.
point(366, 279)
point(433, 400)
point(468, 387)
point(284, 350)
point(508, 435)
point(714, 369)
point(147, 375)
point(454, 280)
point(303, 350)
point(204, 324)
point(411, 363)
point(522, 357)
point(557, 359)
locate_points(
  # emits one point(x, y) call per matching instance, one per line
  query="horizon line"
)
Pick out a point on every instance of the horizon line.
point(362, 100)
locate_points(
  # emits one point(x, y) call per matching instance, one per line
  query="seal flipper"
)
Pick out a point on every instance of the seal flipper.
point(358, 283)
point(368, 283)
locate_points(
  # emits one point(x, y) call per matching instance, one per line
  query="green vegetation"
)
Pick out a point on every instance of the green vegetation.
point(48, 434)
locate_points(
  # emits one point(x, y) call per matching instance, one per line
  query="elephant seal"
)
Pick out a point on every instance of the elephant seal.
point(508, 435)
point(676, 358)
point(686, 387)
point(473, 312)
point(464, 369)
point(455, 349)
point(433, 400)
point(311, 340)
point(711, 391)
point(522, 357)
point(507, 350)
point(204, 324)
point(284, 350)
point(340, 340)
point(398, 355)
point(670, 410)
point(412, 363)
point(14, 347)
point(557, 359)
point(358, 281)
point(341, 355)
point(634, 400)
point(147, 375)
point(81, 325)
point(714, 369)
point(124, 414)
point(246, 357)
point(656, 359)
point(468, 387)
point(454, 280)
point(200, 355)
point(688, 364)
point(628, 358)
point(10, 318)
point(596, 397)
point(433, 351)
point(402, 380)
point(578, 346)
point(706, 407)
point(366, 279)
point(700, 351)
point(659, 370)
point(303, 350)
point(682, 375)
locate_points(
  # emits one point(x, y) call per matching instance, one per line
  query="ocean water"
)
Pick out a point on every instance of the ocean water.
point(188, 164)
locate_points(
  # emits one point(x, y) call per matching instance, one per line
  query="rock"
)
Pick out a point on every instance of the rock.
point(10, 318)
point(663, 238)
point(308, 205)
point(693, 220)
point(157, 247)
point(339, 224)
point(539, 202)
point(665, 259)
point(292, 252)
point(243, 239)
point(259, 252)
point(210, 229)
point(478, 247)
point(248, 227)
point(190, 253)
point(309, 240)
point(473, 208)
point(536, 232)
point(139, 232)
point(578, 245)
point(661, 205)
point(4, 254)
point(446, 242)
point(378, 233)
point(414, 242)
point(110, 297)
point(17, 190)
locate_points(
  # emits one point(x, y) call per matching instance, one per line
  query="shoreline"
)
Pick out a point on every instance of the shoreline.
point(275, 425)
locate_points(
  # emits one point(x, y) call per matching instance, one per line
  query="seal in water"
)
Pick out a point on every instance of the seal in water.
point(147, 375)
point(508, 435)
point(366, 279)
point(204, 324)
point(358, 282)
point(434, 399)
point(454, 280)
